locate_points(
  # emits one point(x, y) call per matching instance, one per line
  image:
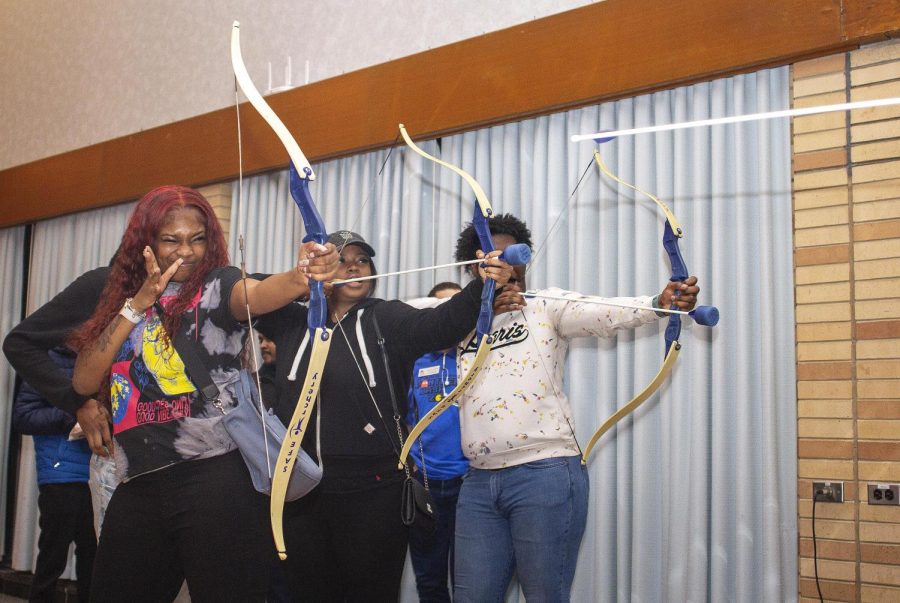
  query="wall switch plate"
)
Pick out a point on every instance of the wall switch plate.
point(828, 492)
point(884, 494)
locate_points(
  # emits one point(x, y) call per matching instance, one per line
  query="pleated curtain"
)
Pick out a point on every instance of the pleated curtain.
point(693, 497)
point(12, 254)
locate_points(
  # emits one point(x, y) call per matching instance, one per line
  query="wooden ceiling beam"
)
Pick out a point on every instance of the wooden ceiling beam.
point(602, 51)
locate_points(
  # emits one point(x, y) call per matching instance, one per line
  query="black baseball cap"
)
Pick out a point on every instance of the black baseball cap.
point(342, 238)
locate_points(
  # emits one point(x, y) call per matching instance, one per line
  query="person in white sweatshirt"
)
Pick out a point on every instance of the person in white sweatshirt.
point(523, 504)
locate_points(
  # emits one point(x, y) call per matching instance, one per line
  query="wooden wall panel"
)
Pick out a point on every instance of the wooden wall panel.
point(603, 51)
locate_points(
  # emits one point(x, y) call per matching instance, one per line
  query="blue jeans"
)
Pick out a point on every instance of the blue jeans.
point(431, 552)
point(527, 519)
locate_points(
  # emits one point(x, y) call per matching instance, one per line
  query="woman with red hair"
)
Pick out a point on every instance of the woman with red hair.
point(186, 508)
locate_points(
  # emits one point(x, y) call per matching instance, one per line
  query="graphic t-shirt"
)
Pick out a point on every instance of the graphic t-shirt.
point(158, 417)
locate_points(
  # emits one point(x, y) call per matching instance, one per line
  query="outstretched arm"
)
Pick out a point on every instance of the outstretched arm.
point(319, 262)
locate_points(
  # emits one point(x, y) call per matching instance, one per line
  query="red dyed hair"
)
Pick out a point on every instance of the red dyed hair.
point(128, 270)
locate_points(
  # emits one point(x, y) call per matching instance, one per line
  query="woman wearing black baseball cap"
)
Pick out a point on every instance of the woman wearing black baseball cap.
point(332, 532)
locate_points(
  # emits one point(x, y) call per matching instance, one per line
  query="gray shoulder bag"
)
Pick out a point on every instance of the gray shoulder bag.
point(245, 427)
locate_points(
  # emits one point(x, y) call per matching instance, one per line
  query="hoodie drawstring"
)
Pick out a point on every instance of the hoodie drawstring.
point(362, 348)
point(292, 376)
point(294, 367)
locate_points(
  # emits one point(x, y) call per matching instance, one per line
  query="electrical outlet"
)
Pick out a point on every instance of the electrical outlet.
point(828, 492)
point(884, 494)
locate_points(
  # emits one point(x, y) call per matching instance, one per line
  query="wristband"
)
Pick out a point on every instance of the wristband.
point(130, 314)
point(655, 304)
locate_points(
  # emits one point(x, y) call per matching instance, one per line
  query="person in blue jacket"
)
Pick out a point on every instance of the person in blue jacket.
point(64, 499)
point(441, 465)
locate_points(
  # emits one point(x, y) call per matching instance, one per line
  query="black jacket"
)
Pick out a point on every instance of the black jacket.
point(58, 460)
point(351, 425)
point(27, 345)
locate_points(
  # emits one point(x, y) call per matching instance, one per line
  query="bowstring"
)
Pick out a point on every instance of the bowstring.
point(254, 339)
point(340, 326)
point(371, 193)
point(556, 224)
point(537, 254)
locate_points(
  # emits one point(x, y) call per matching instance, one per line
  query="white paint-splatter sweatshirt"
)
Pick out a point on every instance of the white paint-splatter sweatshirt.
point(513, 414)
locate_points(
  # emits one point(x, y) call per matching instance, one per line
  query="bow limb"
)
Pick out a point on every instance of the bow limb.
point(481, 214)
point(672, 232)
point(485, 205)
point(301, 174)
point(484, 349)
point(632, 405)
point(262, 107)
point(670, 217)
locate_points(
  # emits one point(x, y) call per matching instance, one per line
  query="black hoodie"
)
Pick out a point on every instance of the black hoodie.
point(350, 423)
point(28, 344)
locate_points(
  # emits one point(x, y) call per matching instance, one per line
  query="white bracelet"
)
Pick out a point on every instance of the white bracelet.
point(130, 314)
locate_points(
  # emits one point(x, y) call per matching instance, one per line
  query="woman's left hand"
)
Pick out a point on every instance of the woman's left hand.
point(96, 423)
point(318, 262)
point(493, 267)
point(155, 282)
point(681, 293)
point(509, 299)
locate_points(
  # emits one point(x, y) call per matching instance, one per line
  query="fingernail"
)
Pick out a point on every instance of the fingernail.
point(302, 263)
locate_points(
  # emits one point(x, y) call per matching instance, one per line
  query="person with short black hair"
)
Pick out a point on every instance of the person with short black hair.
point(523, 504)
point(444, 289)
point(440, 463)
point(64, 499)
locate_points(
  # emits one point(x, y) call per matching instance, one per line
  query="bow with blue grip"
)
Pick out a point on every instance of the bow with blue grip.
point(707, 316)
point(518, 254)
point(702, 315)
point(514, 254)
point(301, 174)
point(315, 231)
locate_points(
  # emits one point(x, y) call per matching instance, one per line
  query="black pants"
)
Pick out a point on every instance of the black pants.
point(66, 517)
point(199, 521)
point(431, 550)
point(346, 546)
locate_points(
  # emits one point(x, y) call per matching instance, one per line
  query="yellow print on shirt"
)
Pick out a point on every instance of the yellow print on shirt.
point(163, 361)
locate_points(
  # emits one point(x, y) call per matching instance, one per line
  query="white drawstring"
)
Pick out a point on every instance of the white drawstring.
point(294, 367)
point(362, 348)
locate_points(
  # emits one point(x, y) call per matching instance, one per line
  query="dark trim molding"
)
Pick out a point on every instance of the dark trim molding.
point(603, 51)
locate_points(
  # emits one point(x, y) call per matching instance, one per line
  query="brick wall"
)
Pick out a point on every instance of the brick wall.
point(846, 172)
point(219, 196)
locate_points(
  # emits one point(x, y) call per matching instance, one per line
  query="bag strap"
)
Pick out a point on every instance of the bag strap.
point(422, 452)
point(193, 365)
point(390, 382)
point(397, 417)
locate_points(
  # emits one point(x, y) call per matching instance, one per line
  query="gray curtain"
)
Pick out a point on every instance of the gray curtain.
point(693, 498)
point(12, 253)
